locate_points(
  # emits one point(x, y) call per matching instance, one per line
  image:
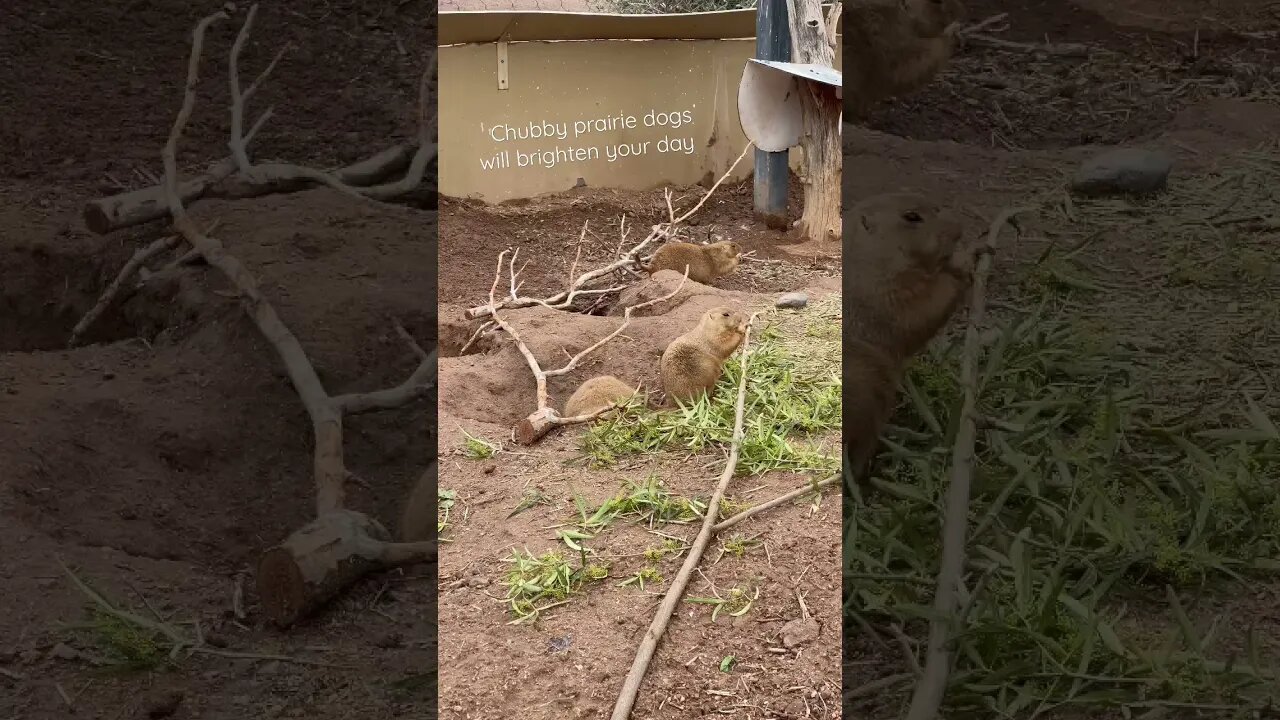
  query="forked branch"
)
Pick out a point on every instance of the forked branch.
point(236, 176)
point(599, 280)
point(545, 418)
point(340, 545)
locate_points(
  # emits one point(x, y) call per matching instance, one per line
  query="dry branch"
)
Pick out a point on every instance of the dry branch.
point(133, 265)
point(140, 256)
point(797, 493)
point(927, 698)
point(631, 686)
point(545, 418)
point(237, 176)
point(340, 545)
point(1055, 49)
point(586, 283)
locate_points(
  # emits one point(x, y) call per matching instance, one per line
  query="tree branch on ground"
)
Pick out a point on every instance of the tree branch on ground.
point(237, 177)
point(546, 418)
point(976, 35)
point(631, 685)
point(929, 691)
point(769, 505)
point(340, 545)
point(600, 281)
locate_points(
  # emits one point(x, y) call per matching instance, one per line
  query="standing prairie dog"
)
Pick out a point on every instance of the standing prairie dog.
point(418, 516)
point(910, 273)
point(705, 262)
point(692, 363)
point(596, 394)
point(895, 47)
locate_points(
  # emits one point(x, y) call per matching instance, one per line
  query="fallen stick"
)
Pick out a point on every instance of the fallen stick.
point(631, 686)
point(1056, 49)
point(798, 492)
point(929, 691)
point(140, 256)
point(136, 207)
point(339, 546)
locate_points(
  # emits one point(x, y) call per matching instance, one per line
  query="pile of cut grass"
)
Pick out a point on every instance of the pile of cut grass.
point(1088, 501)
point(793, 398)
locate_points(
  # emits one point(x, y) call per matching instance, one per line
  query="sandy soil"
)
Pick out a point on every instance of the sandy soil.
point(158, 460)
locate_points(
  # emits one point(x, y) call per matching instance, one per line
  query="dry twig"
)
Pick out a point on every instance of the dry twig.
point(631, 686)
point(769, 505)
point(927, 698)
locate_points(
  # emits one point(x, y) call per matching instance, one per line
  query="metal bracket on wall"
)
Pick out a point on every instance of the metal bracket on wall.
point(503, 84)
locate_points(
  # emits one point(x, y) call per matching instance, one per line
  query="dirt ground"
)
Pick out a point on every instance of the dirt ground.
point(1004, 129)
point(161, 458)
point(571, 663)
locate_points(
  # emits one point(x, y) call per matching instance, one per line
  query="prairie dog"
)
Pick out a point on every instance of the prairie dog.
point(911, 272)
point(692, 363)
point(895, 47)
point(418, 517)
point(597, 394)
point(706, 262)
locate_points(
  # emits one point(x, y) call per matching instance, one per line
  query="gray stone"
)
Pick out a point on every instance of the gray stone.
point(794, 300)
point(1126, 170)
point(799, 632)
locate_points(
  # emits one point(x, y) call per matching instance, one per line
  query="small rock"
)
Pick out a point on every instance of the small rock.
point(799, 632)
point(490, 468)
point(62, 651)
point(164, 705)
point(795, 300)
point(1126, 170)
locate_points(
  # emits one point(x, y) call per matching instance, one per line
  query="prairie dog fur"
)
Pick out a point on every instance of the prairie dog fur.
point(705, 262)
point(911, 272)
point(597, 394)
point(895, 47)
point(692, 363)
point(418, 516)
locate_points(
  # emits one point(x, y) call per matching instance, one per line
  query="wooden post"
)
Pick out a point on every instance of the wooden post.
point(810, 45)
point(773, 42)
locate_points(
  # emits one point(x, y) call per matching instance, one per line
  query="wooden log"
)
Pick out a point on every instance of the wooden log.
point(317, 562)
point(531, 429)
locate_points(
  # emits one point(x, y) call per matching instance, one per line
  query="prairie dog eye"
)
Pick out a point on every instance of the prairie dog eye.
point(912, 216)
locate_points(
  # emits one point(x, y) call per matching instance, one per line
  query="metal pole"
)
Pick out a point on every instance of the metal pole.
point(773, 42)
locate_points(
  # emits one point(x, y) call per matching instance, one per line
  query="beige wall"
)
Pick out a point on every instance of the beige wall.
point(564, 83)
